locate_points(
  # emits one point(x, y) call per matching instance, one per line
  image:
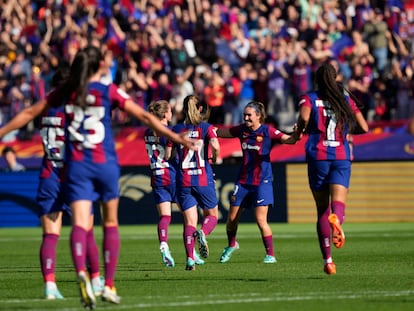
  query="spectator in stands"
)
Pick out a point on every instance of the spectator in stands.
point(181, 88)
point(375, 31)
point(246, 75)
point(214, 97)
point(10, 156)
point(237, 31)
point(180, 60)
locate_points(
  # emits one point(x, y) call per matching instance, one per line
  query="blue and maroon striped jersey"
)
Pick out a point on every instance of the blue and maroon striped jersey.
point(256, 146)
point(162, 171)
point(90, 137)
point(326, 141)
point(194, 167)
point(52, 131)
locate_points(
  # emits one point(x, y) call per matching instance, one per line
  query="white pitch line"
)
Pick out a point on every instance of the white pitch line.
point(254, 298)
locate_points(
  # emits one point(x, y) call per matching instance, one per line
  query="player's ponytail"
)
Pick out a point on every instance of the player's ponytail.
point(329, 90)
point(192, 109)
point(85, 64)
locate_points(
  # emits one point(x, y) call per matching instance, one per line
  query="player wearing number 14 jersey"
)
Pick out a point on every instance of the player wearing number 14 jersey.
point(195, 179)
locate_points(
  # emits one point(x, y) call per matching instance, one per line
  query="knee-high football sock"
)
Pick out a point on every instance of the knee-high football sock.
point(47, 256)
point(78, 248)
point(111, 246)
point(163, 224)
point(209, 223)
point(92, 254)
point(324, 232)
point(188, 236)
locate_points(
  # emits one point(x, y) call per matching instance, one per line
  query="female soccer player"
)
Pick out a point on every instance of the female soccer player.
point(195, 179)
point(92, 164)
point(328, 114)
point(255, 176)
point(49, 192)
point(163, 178)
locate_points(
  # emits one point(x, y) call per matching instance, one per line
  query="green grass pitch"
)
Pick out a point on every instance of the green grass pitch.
point(375, 271)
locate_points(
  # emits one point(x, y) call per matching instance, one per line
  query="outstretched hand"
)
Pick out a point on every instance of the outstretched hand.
point(187, 141)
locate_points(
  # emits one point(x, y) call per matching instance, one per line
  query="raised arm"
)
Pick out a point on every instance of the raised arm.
point(151, 121)
point(224, 133)
point(24, 117)
point(303, 120)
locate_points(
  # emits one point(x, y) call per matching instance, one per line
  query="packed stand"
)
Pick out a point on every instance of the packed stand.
point(225, 52)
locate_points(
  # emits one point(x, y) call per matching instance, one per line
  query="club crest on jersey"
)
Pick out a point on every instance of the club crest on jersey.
point(259, 139)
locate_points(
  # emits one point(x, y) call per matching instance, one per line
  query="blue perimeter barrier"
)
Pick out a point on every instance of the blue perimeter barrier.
point(18, 207)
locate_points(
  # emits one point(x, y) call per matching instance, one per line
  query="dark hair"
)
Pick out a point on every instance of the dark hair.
point(329, 90)
point(7, 149)
point(259, 108)
point(85, 64)
point(61, 74)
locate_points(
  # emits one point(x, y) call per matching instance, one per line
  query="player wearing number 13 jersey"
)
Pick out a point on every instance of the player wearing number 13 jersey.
point(195, 179)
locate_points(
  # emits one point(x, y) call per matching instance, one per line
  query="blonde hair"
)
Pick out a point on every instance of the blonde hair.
point(159, 108)
point(191, 110)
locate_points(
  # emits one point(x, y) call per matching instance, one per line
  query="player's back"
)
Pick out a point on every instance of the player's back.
point(194, 168)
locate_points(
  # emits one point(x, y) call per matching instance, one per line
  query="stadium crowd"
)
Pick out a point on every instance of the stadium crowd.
point(225, 52)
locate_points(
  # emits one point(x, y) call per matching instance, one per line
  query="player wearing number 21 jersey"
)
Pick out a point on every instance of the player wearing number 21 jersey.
point(195, 179)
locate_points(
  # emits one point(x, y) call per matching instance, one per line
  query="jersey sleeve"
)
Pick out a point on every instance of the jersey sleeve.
point(305, 101)
point(118, 96)
point(275, 133)
point(353, 105)
point(235, 130)
point(211, 132)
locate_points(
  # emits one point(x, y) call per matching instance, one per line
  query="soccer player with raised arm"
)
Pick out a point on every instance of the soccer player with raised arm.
point(195, 178)
point(255, 176)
